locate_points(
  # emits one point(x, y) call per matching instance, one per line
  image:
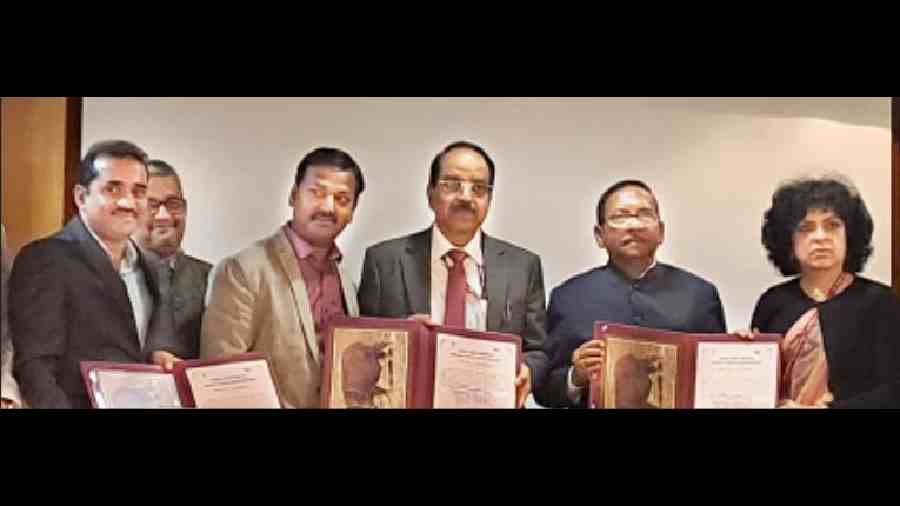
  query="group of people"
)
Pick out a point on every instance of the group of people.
point(115, 285)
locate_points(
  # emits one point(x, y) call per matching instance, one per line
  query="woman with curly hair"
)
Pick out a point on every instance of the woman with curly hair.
point(841, 345)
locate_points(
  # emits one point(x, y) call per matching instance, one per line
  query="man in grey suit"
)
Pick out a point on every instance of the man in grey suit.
point(452, 273)
point(182, 278)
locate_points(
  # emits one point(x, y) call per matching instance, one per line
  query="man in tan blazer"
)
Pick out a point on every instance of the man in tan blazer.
point(278, 295)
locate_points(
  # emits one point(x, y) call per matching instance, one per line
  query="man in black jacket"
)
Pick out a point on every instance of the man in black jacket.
point(86, 293)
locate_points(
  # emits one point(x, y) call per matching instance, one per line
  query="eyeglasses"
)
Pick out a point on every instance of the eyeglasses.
point(456, 186)
point(644, 218)
point(174, 205)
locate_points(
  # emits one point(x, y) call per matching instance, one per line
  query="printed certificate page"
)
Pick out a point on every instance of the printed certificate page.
point(736, 375)
point(234, 385)
point(474, 373)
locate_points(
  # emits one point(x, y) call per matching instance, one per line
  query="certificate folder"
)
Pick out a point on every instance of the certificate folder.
point(394, 363)
point(658, 369)
point(240, 381)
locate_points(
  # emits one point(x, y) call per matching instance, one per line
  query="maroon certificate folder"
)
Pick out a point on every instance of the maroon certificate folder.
point(658, 369)
point(240, 381)
point(390, 363)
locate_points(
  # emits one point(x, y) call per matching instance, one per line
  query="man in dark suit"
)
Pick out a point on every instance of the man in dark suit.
point(85, 293)
point(632, 288)
point(452, 273)
point(181, 277)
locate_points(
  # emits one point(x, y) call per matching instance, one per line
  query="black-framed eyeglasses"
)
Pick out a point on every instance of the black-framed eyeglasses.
point(175, 205)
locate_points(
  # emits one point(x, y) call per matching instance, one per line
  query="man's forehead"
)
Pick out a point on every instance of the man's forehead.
point(630, 196)
point(329, 175)
point(164, 185)
point(463, 159)
point(120, 170)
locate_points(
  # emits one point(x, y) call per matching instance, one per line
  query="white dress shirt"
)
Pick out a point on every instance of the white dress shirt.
point(476, 305)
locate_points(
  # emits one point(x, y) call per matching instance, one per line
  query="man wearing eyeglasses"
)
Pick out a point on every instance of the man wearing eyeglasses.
point(632, 288)
point(182, 278)
point(454, 274)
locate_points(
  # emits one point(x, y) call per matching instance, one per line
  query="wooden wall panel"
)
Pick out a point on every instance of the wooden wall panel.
point(33, 167)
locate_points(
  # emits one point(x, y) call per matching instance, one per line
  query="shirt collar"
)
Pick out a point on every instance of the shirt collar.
point(170, 261)
point(648, 269)
point(643, 274)
point(129, 261)
point(440, 245)
point(154, 257)
point(303, 249)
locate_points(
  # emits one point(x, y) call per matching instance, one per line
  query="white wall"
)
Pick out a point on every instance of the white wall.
point(713, 172)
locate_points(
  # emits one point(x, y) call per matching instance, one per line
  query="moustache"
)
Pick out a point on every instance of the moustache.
point(631, 240)
point(464, 206)
point(162, 229)
point(325, 216)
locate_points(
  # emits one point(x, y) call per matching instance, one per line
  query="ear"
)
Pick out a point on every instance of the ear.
point(429, 193)
point(662, 231)
point(79, 194)
point(598, 236)
point(292, 197)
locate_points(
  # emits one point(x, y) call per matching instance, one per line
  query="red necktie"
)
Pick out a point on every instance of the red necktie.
point(455, 312)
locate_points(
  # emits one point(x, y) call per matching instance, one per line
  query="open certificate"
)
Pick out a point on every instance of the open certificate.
point(240, 381)
point(661, 369)
point(474, 373)
point(736, 375)
point(384, 363)
point(233, 385)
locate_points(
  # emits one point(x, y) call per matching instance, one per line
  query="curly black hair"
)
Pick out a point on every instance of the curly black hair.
point(794, 199)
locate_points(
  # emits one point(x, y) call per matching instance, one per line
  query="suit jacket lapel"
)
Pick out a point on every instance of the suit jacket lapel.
point(416, 270)
point(162, 326)
point(288, 259)
point(97, 258)
point(497, 282)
